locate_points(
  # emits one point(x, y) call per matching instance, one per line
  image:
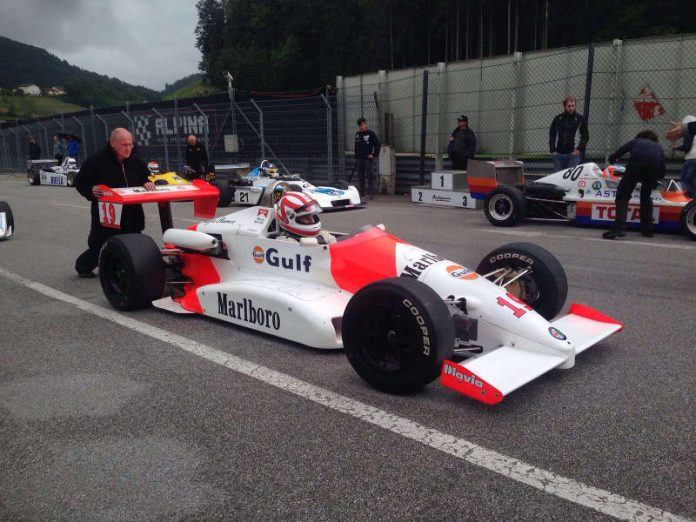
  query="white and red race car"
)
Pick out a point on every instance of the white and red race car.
point(585, 195)
point(402, 314)
point(46, 172)
point(6, 221)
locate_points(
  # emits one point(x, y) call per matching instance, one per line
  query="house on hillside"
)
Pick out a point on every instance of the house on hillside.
point(30, 89)
point(54, 91)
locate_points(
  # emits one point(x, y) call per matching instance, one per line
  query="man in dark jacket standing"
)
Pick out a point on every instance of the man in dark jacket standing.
point(462, 144)
point(196, 156)
point(115, 166)
point(367, 148)
point(34, 149)
point(645, 166)
point(568, 136)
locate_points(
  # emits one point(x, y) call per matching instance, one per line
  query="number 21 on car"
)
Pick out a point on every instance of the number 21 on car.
point(110, 214)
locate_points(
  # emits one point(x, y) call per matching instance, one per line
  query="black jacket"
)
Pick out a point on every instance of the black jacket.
point(104, 168)
point(644, 153)
point(34, 151)
point(197, 158)
point(568, 132)
point(464, 144)
point(366, 143)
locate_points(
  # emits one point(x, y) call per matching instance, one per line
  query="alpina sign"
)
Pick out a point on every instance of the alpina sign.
point(154, 131)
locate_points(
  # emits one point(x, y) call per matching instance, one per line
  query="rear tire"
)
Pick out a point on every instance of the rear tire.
point(34, 178)
point(544, 288)
point(225, 192)
point(70, 179)
point(505, 206)
point(131, 271)
point(396, 334)
point(9, 219)
point(688, 219)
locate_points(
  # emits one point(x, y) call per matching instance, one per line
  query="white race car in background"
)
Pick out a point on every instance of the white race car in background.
point(403, 315)
point(263, 180)
point(41, 172)
point(6, 221)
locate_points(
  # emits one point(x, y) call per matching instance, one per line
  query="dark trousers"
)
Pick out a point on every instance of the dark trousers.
point(89, 259)
point(364, 169)
point(459, 162)
point(648, 180)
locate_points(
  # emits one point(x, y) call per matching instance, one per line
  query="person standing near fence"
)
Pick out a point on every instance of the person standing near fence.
point(58, 149)
point(196, 156)
point(367, 146)
point(73, 147)
point(115, 166)
point(462, 144)
point(568, 136)
point(688, 147)
point(34, 149)
point(645, 166)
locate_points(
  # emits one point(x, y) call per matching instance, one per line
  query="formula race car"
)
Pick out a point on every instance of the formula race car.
point(45, 172)
point(402, 314)
point(6, 221)
point(585, 195)
point(262, 180)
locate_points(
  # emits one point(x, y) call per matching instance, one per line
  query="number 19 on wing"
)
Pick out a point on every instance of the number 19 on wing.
point(110, 214)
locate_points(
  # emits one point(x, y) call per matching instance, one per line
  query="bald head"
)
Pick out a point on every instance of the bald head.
point(122, 142)
point(191, 139)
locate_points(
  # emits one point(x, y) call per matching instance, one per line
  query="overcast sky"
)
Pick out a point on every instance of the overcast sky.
point(143, 42)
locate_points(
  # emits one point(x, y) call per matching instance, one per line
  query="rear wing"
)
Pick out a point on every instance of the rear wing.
point(204, 196)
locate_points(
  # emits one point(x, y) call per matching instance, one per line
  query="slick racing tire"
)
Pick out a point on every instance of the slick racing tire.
point(295, 187)
point(396, 334)
point(33, 178)
point(505, 206)
point(542, 283)
point(341, 184)
point(688, 219)
point(131, 271)
point(9, 220)
point(225, 192)
point(70, 180)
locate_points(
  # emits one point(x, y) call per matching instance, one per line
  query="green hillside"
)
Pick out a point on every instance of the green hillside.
point(24, 107)
point(25, 64)
point(192, 90)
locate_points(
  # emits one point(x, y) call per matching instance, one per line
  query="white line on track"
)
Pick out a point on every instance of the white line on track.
point(529, 234)
point(546, 481)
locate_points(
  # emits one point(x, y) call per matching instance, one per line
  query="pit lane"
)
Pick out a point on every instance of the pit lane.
point(136, 428)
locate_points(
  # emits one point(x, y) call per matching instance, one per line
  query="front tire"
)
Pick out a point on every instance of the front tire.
point(33, 178)
point(396, 334)
point(9, 220)
point(688, 219)
point(544, 286)
point(225, 192)
point(70, 179)
point(505, 206)
point(341, 184)
point(131, 271)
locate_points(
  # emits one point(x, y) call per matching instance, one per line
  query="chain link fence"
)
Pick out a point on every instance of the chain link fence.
point(621, 86)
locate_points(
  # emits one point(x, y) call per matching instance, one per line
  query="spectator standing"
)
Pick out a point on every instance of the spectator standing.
point(688, 173)
point(568, 136)
point(367, 147)
point(645, 166)
point(115, 166)
point(73, 147)
point(34, 149)
point(196, 156)
point(58, 149)
point(462, 144)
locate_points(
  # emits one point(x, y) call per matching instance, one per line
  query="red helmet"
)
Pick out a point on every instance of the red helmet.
point(298, 213)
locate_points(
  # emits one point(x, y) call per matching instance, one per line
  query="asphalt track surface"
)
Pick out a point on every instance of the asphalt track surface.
point(149, 415)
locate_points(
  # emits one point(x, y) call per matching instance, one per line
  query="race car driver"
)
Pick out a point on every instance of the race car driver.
point(298, 217)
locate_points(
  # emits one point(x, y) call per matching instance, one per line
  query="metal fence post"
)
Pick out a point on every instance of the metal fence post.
point(106, 126)
point(205, 130)
point(329, 139)
point(251, 126)
point(424, 126)
point(130, 121)
point(84, 139)
point(180, 165)
point(45, 137)
point(16, 146)
point(263, 140)
point(166, 140)
point(341, 100)
point(60, 123)
point(588, 86)
point(611, 123)
point(514, 133)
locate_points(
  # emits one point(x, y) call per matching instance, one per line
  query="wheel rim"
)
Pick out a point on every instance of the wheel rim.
point(115, 274)
point(388, 341)
point(500, 207)
point(690, 220)
point(524, 288)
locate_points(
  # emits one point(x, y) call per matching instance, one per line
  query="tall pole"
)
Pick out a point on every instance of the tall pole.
point(424, 126)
